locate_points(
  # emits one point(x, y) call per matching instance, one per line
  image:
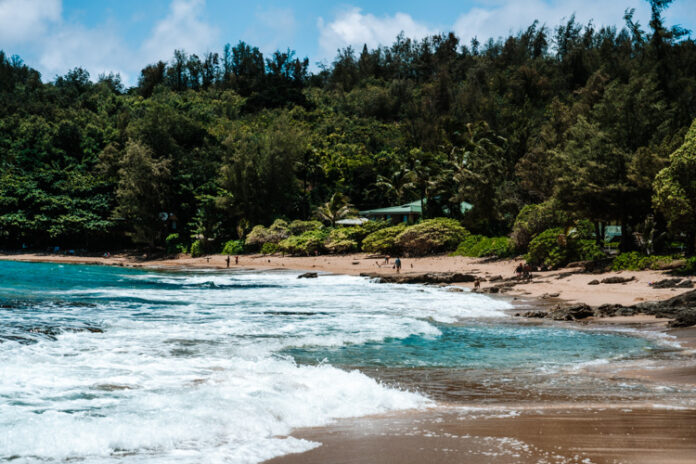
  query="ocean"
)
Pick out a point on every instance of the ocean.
point(109, 364)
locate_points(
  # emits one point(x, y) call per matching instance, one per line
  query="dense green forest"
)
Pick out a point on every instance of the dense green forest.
point(550, 125)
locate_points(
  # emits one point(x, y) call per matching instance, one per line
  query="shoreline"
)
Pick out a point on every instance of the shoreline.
point(525, 432)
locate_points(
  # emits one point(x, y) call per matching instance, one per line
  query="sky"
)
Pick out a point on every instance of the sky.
point(123, 36)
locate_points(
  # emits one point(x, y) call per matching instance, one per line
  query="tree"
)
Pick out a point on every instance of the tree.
point(143, 192)
point(675, 190)
point(398, 186)
point(338, 207)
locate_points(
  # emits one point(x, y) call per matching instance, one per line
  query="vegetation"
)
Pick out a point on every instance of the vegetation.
point(634, 261)
point(479, 246)
point(431, 236)
point(233, 247)
point(536, 130)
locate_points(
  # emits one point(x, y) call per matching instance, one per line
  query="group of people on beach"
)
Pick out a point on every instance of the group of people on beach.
point(396, 266)
point(236, 260)
point(523, 271)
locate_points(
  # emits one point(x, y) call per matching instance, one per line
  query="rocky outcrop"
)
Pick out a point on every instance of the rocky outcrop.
point(593, 282)
point(681, 309)
point(618, 280)
point(308, 275)
point(421, 278)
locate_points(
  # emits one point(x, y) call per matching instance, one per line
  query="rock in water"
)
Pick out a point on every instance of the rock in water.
point(308, 275)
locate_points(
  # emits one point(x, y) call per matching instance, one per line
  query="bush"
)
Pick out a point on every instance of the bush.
point(305, 244)
point(533, 220)
point(260, 235)
point(344, 239)
point(634, 261)
point(431, 236)
point(298, 227)
point(197, 249)
point(174, 244)
point(548, 249)
point(270, 248)
point(479, 246)
point(233, 247)
point(689, 268)
point(383, 240)
point(586, 250)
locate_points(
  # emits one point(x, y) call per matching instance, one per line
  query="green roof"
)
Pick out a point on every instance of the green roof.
point(409, 208)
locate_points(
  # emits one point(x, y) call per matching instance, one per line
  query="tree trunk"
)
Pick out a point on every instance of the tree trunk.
point(690, 242)
point(625, 245)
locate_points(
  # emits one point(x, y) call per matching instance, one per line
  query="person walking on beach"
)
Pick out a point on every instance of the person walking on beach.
point(397, 265)
point(477, 284)
point(236, 260)
point(228, 261)
point(518, 271)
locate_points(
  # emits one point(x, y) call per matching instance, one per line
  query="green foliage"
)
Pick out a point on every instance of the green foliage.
point(431, 236)
point(586, 250)
point(344, 239)
point(479, 246)
point(689, 268)
point(270, 248)
point(197, 249)
point(306, 244)
point(675, 189)
point(233, 247)
point(383, 240)
point(534, 219)
point(261, 235)
point(174, 244)
point(548, 249)
point(634, 261)
point(298, 227)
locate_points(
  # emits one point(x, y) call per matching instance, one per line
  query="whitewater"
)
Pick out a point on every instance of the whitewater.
point(107, 364)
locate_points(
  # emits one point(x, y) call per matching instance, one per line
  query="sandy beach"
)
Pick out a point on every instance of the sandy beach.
point(505, 430)
point(552, 285)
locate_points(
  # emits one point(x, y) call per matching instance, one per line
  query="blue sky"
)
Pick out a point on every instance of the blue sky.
point(123, 36)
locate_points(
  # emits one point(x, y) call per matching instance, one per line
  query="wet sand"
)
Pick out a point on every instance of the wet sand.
point(562, 434)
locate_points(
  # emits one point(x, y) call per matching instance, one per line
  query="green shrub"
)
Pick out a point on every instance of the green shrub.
point(431, 236)
point(270, 248)
point(274, 234)
point(689, 268)
point(370, 227)
point(479, 246)
point(533, 220)
point(305, 244)
point(174, 244)
point(634, 261)
point(298, 227)
point(344, 239)
point(548, 249)
point(586, 250)
point(197, 249)
point(233, 247)
point(383, 240)
point(584, 230)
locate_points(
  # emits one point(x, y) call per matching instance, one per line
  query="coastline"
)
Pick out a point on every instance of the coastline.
point(531, 432)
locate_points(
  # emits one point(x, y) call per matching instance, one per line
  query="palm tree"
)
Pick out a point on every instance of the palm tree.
point(398, 185)
point(337, 208)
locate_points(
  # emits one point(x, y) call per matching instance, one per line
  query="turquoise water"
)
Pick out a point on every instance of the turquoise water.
point(104, 363)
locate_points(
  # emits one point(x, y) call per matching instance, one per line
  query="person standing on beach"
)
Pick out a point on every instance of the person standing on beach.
point(397, 264)
point(228, 261)
point(236, 260)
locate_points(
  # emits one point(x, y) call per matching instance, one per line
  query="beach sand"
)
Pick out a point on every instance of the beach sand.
point(571, 288)
point(532, 431)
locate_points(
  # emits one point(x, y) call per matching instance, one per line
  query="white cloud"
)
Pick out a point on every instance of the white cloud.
point(24, 19)
point(182, 28)
point(499, 18)
point(353, 27)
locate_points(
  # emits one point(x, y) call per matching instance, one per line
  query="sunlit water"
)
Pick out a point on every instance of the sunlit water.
point(105, 364)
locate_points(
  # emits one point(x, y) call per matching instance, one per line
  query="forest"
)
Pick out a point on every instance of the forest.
point(552, 127)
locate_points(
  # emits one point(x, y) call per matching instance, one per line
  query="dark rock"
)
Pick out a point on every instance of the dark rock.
point(308, 275)
point(593, 282)
point(495, 278)
point(571, 313)
point(686, 284)
point(684, 318)
point(666, 283)
point(455, 289)
point(617, 280)
point(425, 278)
point(534, 314)
point(491, 290)
point(546, 296)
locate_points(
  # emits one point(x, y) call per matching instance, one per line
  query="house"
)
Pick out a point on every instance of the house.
point(409, 212)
